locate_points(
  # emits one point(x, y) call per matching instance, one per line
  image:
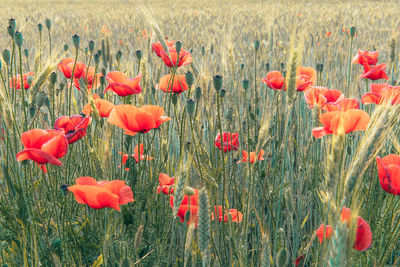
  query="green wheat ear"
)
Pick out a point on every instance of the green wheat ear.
point(204, 227)
point(337, 253)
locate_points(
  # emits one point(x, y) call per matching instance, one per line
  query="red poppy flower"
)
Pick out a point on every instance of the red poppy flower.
point(320, 96)
point(275, 80)
point(171, 60)
point(103, 106)
point(363, 239)
point(328, 34)
point(157, 47)
point(253, 156)
point(137, 120)
point(66, 66)
point(375, 72)
point(92, 81)
point(342, 105)
point(305, 77)
point(382, 93)
point(125, 157)
point(74, 127)
point(230, 141)
point(140, 156)
point(188, 201)
point(121, 85)
point(43, 146)
point(16, 81)
point(342, 122)
point(322, 230)
point(178, 85)
point(166, 184)
point(298, 260)
point(389, 173)
point(235, 215)
point(102, 194)
point(366, 57)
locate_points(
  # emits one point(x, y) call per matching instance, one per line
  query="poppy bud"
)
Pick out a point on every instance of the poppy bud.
point(40, 99)
point(11, 22)
point(53, 78)
point(48, 24)
point(11, 31)
point(217, 79)
point(222, 93)
point(26, 52)
point(178, 46)
point(66, 46)
point(190, 105)
point(267, 67)
point(241, 66)
point(198, 93)
point(96, 58)
point(352, 31)
point(32, 111)
point(203, 51)
point(189, 191)
point(284, 73)
point(102, 80)
point(40, 27)
point(138, 54)
point(18, 39)
point(229, 114)
point(245, 84)
point(118, 55)
point(189, 78)
point(64, 189)
point(29, 80)
point(76, 40)
point(174, 99)
point(257, 44)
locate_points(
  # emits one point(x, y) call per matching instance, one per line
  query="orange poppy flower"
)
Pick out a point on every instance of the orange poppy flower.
point(322, 230)
point(125, 157)
point(374, 72)
point(230, 141)
point(235, 215)
point(157, 47)
point(188, 201)
point(328, 34)
point(121, 85)
point(343, 104)
point(305, 77)
point(382, 93)
point(137, 120)
point(74, 127)
point(15, 82)
point(172, 60)
point(43, 146)
point(253, 156)
point(366, 57)
point(178, 85)
point(90, 80)
point(166, 184)
point(103, 106)
point(319, 96)
point(274, 80)
point(363, 239)
point(139, 156)
point(389, 173)
point(342, 122)
point(102, 194)
point(66, 66)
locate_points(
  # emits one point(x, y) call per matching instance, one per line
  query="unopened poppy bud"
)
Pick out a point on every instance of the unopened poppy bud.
point(48, 24)
point(257, 44)
point(189, 78)
point(32, 112)
point(76, 40)
point(40, 27)
point(118, 55)
point(91, 45)
point(352, 31)
point(11, 31)
point(203, 51)
point(29, 80)
point(18, 39)
point(40, 99)
point(178, 46)
point(190, 105)
point(217, 80)
point(189, 191)
point(26, 52)
point(174, 99)
point(53, 78)
point(66, 46)
point(11, 22)
point(245, 84)
point(229, 114)
point(64, 189)
point(222, 93)
point(102, 80)
point(241, 66)
point(267, 68)
point(198, 93)
point(138, 54)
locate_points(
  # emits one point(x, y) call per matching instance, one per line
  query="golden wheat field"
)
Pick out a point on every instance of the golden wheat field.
point(199, 133)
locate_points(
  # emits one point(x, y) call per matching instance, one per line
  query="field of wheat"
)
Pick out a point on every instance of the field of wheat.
point(199, 133)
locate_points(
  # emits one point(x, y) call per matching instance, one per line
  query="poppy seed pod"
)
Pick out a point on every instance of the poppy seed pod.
point(189, 78)
point(41, 99)
point(245, 84)
point(11, 22)
point(222, 93)
point(11, 31)
point(40, 27)
point(91, 46)
point(138, 54)
point(174, 99)
point(48, 24)
point(66, 46)
point(96, 58)
point(352, 31)
point(229, 114)
point(257, 44)
point(190, 105)
point(76, 40)
point(18, 39)
point(118, 55)
point(178, 46)
point(26, 52)
point(198, 93)
point(217, 80)
point(53, 78)
point(267, 68)
point(6, 56)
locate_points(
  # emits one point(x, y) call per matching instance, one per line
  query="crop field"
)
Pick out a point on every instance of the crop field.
point(199, 133)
